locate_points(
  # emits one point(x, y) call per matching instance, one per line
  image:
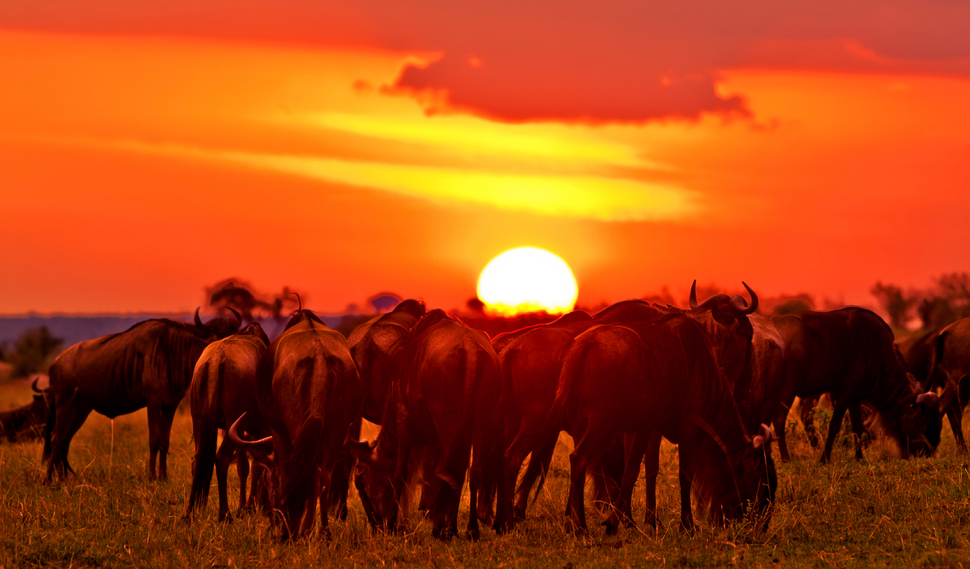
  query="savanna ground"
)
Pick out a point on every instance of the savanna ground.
point(878, 512)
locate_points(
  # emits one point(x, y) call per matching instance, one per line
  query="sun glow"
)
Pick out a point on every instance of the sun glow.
point(527, 279)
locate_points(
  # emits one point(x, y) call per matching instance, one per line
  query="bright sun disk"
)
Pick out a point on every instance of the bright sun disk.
point(527, 279)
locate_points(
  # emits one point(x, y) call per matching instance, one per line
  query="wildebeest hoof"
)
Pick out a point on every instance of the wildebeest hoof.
point(611, 529)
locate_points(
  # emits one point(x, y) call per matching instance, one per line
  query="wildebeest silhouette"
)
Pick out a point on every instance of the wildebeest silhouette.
point(309, 393)
point(849, 353)
point(223, 389)
point(150, 364)
point(443, 401)
point(641, 377)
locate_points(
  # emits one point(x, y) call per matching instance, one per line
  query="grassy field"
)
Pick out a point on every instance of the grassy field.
point(878, 512)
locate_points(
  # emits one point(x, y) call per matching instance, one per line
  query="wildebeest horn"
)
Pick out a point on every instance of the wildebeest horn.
point(237, 315)
point(198, 321)
point(739, 305)
point(693, 295)
point(33, 385)
point(264, 444)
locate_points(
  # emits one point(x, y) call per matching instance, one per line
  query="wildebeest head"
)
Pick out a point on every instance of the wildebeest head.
point(373, 478)
point(729, 328)
point(760, 472)
point(749, 491)
point(221, 327)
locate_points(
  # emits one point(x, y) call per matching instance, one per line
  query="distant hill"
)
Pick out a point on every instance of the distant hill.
point(74, 329)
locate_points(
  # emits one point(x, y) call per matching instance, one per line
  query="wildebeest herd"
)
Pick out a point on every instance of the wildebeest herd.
point(453, 403)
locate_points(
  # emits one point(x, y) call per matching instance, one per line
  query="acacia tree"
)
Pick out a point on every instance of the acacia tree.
point(895, 302)
point(34, 351)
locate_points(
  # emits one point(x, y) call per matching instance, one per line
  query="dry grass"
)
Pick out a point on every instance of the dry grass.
point(881, 511)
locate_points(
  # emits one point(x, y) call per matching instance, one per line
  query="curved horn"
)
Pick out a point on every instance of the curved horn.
point(693, 295)
point(33, 385)
point(237, 315)
point(739, 306)
point(299, 301)
point(264, 445)
point(198, 321)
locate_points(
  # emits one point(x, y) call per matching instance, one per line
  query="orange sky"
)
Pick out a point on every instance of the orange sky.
point(148, 151)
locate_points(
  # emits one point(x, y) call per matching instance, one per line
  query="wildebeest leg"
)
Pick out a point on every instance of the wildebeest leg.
point(651, 467)
point(634, 445)
point(587, 454)
point(164, 434)
point(951, 405)
point(544, 449)
point(512, 461)
point(71, 414)
point(779, 420)
point(223, 458)
point(326, 495)
point(834, 427)
point(242, 471)
point(686, 479)
point(400, 479)
point(806, 410)
point(340, 479)
point(310, 511)
point(474, 487)
point(858, 428)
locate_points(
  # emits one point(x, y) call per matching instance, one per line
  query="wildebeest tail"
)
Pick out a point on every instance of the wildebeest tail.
point(49, 427)
point(205, 432)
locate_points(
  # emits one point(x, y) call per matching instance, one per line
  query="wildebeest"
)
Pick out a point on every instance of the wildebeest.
point(849, 353)
point(443, 402)
point(951, 349)
point(28, 421)
point(531, 360)
point(223, 388)
point(309, 394)
point(150, 364)
point(746, 355)
point(662, 376)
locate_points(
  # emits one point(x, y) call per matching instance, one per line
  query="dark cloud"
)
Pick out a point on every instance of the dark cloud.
point(524, 60)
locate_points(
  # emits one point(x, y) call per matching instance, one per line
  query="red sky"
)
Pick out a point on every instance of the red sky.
point(150, 149)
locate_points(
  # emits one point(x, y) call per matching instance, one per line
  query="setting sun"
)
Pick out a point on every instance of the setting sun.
point(527, 279)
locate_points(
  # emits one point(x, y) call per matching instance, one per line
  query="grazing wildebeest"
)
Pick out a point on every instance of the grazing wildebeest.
point(746, 357)
point(662, 376)
point(150, 364)
point(309, 394)
point(951, 355)
point(531, 360)
point(223, 388)
point(849, 353)
point(27, 422)
point(443, 401)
